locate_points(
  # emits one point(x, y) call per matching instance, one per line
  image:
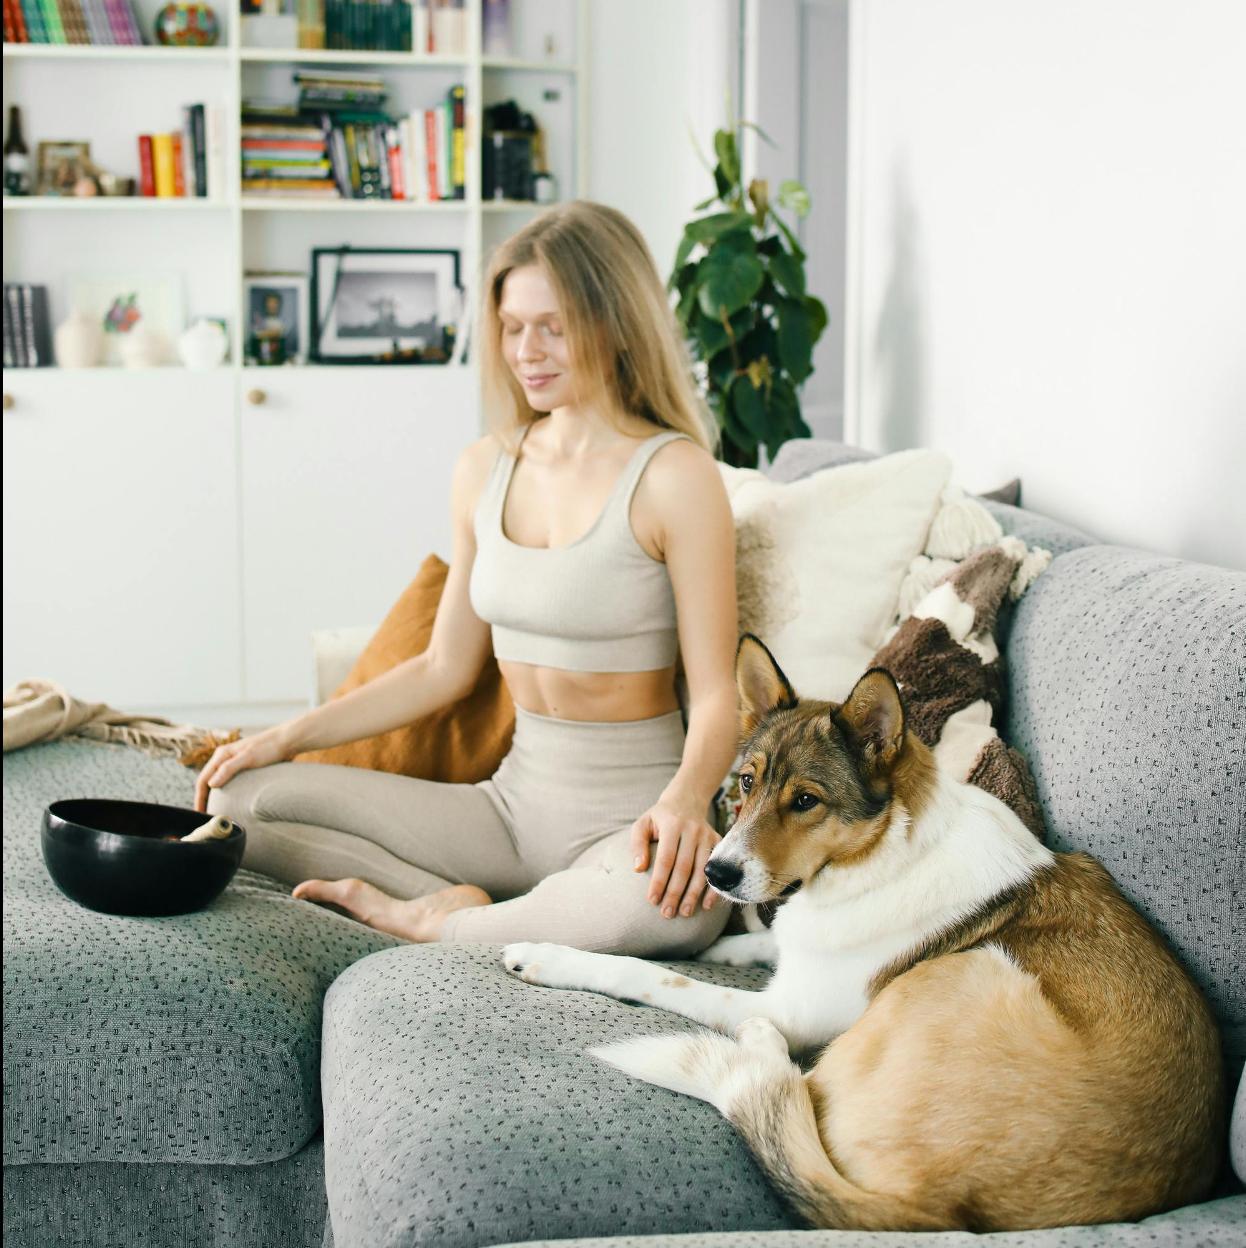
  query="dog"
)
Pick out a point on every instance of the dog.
point(1002, 1042)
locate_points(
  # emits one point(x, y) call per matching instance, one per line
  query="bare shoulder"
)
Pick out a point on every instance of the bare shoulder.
point(683, 477)
point(471, 471)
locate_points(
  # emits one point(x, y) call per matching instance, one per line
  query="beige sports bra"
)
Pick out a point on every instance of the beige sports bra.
point(600, 604)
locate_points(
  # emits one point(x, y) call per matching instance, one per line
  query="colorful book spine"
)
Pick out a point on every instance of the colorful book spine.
point(52, 21)
point(33, 16)
point(13, 318)
point(162, 160)
point(74, 21)
point(458, 142)
point(146, 166)
point(121, 19)
point(178, 145)
point(15, 23)
point(441, 115)
point(97, 22)
point(431, 149)
point(199, 149)
point(214, 143)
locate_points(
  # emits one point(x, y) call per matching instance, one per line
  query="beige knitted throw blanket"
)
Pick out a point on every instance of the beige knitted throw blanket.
point(42, 710)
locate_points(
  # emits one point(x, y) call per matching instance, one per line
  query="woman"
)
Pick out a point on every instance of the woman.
point(593, 547)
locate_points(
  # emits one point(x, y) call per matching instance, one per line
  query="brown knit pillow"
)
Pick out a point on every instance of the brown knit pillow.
point(460, 743)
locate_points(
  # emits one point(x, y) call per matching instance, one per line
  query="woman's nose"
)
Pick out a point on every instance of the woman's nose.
point(529, 346)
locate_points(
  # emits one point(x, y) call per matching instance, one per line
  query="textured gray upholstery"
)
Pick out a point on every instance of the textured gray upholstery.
point(192, 1038)
point(461, 1109)
point(1127, 693)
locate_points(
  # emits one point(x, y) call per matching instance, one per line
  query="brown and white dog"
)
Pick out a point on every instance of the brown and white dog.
point(1011, 1045)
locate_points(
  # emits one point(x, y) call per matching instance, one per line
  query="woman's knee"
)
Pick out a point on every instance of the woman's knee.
point(237, 800)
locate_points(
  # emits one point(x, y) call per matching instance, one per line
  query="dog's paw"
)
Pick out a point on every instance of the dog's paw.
point(552, 966)
point(752, 949)
point(761, 1033)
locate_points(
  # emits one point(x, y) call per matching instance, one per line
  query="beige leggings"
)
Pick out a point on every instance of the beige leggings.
point(547, 836)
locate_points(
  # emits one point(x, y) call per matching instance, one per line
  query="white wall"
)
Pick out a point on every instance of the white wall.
point(662, 72)
point(1048, 255)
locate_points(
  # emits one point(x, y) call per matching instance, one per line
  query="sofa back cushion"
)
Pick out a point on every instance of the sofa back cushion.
point(1127, 693)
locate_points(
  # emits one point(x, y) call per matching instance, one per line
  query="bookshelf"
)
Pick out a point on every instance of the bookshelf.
point(281, 464)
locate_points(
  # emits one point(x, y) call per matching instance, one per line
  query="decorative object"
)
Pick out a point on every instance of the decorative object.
point(381, 305)
point(16, 156)
point(61, 166)
point(79, 341)
point(187, 24)
point(204, 345)
point(740, 276)
point(277, 317)
point(459, 744)
point(120, 304)
point(496, 23)
point(114, 184)
point(509, 152)
point(86, 186)
point(144, 347)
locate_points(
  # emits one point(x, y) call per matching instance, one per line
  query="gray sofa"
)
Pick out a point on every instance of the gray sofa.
point(228, 1077)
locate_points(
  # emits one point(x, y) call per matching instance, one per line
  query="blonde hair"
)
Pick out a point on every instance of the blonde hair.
point(623, 338)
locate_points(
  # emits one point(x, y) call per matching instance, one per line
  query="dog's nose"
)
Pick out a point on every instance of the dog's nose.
point(723, 875)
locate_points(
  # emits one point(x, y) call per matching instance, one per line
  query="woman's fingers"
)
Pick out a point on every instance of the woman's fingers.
point(698, 883)
point(642, 834)
point(681, 872)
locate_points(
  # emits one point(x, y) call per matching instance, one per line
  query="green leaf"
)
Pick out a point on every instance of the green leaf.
point(818, 316)
point(795, 340)
point(749, 405)
point(686, 248)
point(721, 184)
point(728, 281)
point(789, 273)
point(752, 125)
point(722, 371)
point(728, 158)
point(705, 203)
point(709, 230)
point(687, 303)
point(792, 241)
point(793, 195)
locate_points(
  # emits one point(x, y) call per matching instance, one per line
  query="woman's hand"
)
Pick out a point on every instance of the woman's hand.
point(685, 842)
point(269, 746)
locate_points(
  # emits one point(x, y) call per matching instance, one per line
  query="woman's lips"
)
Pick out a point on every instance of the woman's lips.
point(535, 383)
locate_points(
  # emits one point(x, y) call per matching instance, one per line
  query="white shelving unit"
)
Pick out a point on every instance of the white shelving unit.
point(308, 495)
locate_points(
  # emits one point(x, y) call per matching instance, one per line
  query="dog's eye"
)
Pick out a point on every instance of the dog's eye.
point(804, 801)
point(746, 783)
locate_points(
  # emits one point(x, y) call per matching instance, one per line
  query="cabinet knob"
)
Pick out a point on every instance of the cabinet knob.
point(9, 402)
point(256, 397)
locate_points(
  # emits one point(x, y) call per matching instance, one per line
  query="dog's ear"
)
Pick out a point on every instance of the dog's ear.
point(762, 685)
point(873, 719)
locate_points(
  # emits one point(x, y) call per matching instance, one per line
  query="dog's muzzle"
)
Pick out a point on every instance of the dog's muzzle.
point(724, 876)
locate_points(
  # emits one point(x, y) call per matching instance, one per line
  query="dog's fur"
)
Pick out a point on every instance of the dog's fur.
point(1011, 1045)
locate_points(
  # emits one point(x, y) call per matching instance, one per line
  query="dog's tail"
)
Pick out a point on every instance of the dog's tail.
point(762, 1093)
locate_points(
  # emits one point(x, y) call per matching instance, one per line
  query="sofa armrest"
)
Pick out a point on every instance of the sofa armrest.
point(334, 653)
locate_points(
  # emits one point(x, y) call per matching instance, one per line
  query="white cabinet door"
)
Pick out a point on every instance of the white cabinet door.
point(121, 535)
point(345, 489)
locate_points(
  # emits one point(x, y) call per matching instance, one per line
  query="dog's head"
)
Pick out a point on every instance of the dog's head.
point(820, 782)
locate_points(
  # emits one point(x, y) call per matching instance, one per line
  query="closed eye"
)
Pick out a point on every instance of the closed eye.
point(804, 801)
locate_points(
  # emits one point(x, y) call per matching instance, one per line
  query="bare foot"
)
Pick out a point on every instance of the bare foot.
point(419, 919)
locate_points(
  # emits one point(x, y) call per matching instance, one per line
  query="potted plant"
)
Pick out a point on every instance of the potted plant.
point(740, 277)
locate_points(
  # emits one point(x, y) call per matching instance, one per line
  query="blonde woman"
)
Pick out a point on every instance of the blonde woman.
point(593, 549)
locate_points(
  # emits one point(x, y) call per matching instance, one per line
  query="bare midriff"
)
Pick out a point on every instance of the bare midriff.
point(593, 697)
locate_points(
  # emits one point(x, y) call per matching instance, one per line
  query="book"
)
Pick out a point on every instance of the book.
point(162, 163)
point(74, 21)
point(14, 26)
point(52, 21)
point(419, 26)
point(14, 339)
point(97, 22)
point(431, 150)
point(178, 164)
point(33, 16)
point(458, 148)
point(214, 154)
point(146, 166)
point(36, 326)
point(393, 153)
point(199, 148)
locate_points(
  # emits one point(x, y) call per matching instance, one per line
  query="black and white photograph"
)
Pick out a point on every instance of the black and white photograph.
point(374, 302)
point(276, 317)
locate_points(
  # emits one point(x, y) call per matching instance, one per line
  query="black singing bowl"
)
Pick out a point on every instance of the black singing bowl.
point(122, 857)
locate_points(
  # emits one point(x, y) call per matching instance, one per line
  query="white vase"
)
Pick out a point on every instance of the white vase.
point(78, 341)
point(142, 348)
point(203, 345)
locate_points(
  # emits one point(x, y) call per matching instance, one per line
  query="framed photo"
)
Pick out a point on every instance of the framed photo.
point(276, 317)
point(60, 166)
point(385, 304)
point(120, 302)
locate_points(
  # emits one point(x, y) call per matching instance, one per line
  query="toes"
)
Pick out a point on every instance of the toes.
point(761, 1033)
point(516, 957)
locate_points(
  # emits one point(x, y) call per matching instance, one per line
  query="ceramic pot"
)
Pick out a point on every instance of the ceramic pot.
point(187, 23)
point(78, 342)
point(142, 348)
point(203, 345)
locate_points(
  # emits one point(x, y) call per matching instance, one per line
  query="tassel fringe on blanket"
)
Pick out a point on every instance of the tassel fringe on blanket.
point(41, 710)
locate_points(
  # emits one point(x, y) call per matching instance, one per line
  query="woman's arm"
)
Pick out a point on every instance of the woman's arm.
point(698, 543)
point(457, 651)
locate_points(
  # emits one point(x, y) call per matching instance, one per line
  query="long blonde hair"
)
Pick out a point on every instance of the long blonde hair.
point(621, 331)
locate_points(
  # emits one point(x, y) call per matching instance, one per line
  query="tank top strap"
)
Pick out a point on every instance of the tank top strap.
point(639, 462)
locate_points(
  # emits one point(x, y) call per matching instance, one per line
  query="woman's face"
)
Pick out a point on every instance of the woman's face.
point(533, 344)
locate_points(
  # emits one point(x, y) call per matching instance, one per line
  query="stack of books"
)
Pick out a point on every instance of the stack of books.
point(71, 21)
point(284, 152)
point(338, 143)
point(187, 164)
point(27, 326)
point(382, 25)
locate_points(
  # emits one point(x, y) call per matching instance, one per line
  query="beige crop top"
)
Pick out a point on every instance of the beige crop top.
point(600, 604)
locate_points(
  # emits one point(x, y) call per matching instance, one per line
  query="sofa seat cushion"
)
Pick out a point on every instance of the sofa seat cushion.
point(461, 1109)
point(189, 1038)
point(1127, 694)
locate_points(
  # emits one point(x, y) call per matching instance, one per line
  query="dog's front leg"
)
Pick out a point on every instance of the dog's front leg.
point(633, 979)
point(750, 949)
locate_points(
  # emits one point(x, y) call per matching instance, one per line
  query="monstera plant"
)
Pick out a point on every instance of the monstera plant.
point(740, 277)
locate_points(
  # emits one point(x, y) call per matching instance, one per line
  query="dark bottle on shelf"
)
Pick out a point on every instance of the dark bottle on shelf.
point(16, 157)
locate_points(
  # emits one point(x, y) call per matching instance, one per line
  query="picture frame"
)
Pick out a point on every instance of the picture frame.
point(276, 301)
point(118, 302)
point(60, 165)
point(385, 304)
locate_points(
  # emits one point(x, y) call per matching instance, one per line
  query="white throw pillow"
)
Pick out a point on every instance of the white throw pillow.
point(820, 561)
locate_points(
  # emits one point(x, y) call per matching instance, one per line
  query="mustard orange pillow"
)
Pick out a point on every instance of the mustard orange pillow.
point(460, 743)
